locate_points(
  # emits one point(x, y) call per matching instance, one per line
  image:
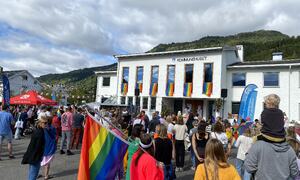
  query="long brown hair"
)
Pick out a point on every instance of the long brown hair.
point(145, 139)
point(215, 157)
point(162, 131)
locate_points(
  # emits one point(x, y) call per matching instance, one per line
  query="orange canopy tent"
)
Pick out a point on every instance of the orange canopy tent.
point(31, 98)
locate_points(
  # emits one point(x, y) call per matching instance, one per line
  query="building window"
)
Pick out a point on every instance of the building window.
point(238, 79)
point(271, 79)
point(189, 71)
point(208, 79)
point(103, 99)
point(170, 80)
point(24, 77)
point(139, 78)
point(130, 101)
point(154, 80)
point(138, 101)
point(125, 79)
point(106, 81)
point(153, 103)
point(188, 80)
point(123, 100)
point(145, 103)
point(235, 107)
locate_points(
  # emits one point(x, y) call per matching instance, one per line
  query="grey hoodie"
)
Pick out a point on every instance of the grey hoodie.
point(271, 161)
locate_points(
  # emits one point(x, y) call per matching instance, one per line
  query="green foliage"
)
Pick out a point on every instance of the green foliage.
point(258, 45)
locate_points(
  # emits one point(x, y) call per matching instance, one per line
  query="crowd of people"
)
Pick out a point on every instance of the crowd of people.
point(158, 146)
point(266, 148)
point(46, 125)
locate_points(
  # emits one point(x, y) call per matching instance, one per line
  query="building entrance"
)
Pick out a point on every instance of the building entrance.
point(195, 106)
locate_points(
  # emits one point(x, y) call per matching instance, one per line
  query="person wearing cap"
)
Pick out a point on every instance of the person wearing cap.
point(143, 164)
point(35, 150)
point(271, 145)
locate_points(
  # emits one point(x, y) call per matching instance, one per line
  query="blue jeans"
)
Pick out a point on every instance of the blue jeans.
point(168, 172)
point(239, 164)
point(34, 171)
point(193, 158)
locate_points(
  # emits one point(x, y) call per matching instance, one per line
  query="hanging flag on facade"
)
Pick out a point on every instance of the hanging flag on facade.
point(6, 90)
point(247, 103)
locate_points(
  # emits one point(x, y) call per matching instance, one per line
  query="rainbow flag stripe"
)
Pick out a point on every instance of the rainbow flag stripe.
point(140, 87)
point(170, 89)
point(102, 152)
point(207, 88)
point(124, 88)
point(153, 89)
point(188, 89)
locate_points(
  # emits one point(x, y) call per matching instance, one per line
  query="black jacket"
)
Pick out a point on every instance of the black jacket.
point(35, 150)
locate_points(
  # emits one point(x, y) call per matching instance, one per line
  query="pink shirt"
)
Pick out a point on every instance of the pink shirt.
point(66, 121)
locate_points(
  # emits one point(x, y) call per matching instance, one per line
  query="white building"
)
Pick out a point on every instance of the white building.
point(20, 81)
point(193, 79)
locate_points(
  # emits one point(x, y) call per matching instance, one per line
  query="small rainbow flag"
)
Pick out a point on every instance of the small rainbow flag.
point(153, 89)
point(188, 89)
point(102, 152)
point(124, 88)
point(207, 88)
point(170, 89)
point(139, 86)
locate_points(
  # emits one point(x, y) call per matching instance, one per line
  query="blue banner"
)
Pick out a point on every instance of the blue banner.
point(247, 103)
point(6, 90)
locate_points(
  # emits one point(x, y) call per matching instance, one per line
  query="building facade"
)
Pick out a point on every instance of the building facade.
point(192, 80)
point(20, 81)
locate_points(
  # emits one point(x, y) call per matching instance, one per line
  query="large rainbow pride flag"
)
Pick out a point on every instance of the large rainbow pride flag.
point(207, 88)
point(170, 89)
point(153, 89)
point(102, 152)
point(124, 88)
point(188, 89)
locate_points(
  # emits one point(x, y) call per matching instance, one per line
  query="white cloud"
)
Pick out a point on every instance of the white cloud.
point(77, 30)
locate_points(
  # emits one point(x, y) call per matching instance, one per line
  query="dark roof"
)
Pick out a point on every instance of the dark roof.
point(12, 73)
point(266, 63)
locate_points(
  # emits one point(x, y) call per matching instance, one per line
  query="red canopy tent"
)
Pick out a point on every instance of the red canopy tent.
point(31, 98)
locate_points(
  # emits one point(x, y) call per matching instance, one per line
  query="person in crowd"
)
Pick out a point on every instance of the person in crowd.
point(153, 123)
point(170, 126)
point(199, 141)
point(192, 132)
point(189, 122)
point(57, 125)
point(163, 151)
point(219, 134)
point(291, 133)
point(134, 141)
point(271, 144)
point(180, 130)
point(78, 120)
point(215, 165)
point(35, 150)
point(295, 144)
point(18, 126)
point(256, 127)
point(6, 119)
point(139, 120)
point(143, 164)
point(66, 127)
point(50, 147)
point(228, 131)
point(42, 112)
point(30, 114)
point(243, 143)
point(24, 119)
point(145, 118)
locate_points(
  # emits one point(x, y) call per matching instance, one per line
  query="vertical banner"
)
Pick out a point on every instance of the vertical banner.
point(188, 89)
point(248, 102)
point(6, 90)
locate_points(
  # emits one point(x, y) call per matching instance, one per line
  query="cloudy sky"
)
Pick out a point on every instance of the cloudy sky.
point(57, 36)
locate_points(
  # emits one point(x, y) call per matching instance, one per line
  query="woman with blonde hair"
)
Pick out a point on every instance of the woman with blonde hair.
point(215, 166)
point(163, 150)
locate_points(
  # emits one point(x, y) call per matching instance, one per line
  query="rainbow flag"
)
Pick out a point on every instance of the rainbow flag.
point(153, 89)
point(207, 88)
point(188, 89)
point(139, 86)
point(170, 89)
point(124, 88)
point(102, 152)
